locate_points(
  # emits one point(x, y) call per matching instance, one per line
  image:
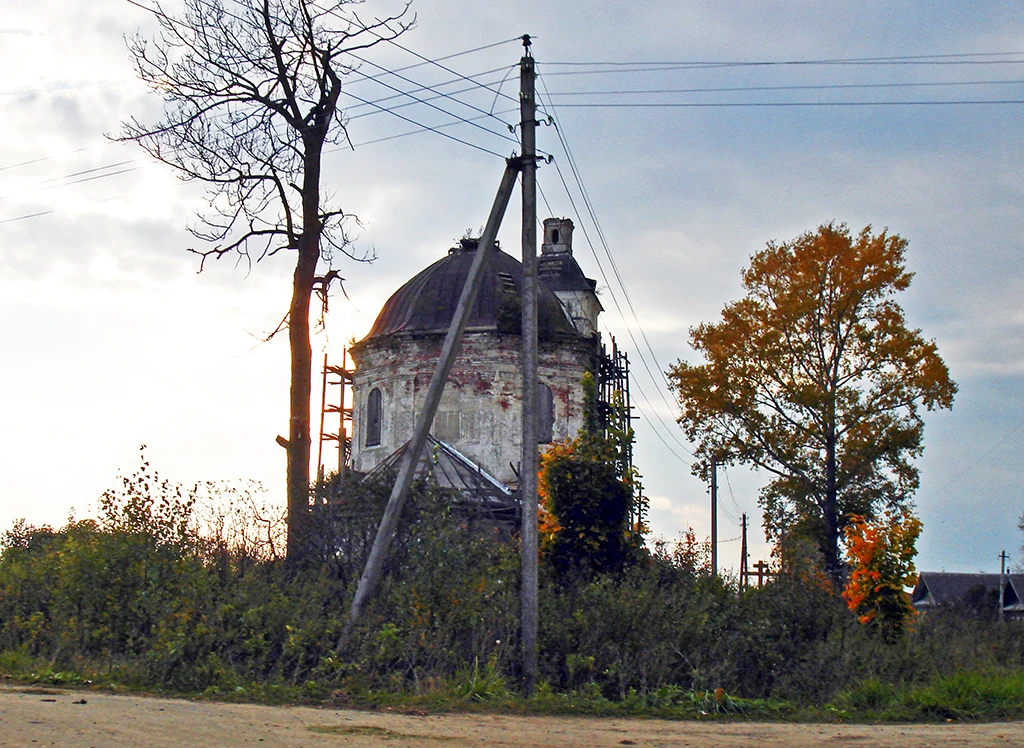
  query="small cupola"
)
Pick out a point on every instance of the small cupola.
point(557, 236)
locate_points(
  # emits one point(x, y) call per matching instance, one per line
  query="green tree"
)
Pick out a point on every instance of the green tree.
point(250, 91)
point(586, 501)
point(815, 377)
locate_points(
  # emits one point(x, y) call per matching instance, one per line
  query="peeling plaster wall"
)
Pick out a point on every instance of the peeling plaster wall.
point(582, 308)
point(480, 411)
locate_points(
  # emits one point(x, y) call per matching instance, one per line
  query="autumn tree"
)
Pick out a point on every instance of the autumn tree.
point(250, 91)
point(815, 377)
point(881, 558)
point(585, 499)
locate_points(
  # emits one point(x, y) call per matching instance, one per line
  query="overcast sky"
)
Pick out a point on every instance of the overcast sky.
point(111, 339)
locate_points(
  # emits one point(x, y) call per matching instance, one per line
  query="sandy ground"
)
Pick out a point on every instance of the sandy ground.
point(79, 719)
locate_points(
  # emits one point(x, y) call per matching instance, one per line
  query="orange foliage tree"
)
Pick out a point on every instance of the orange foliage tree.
point(815, 377)
point(881, 557)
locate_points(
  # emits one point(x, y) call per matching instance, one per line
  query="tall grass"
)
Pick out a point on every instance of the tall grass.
point(143, 598)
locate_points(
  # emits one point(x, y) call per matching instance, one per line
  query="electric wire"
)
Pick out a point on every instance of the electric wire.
point(611, 258)
point(417, 90)
point(801, 87)
point(26, 189)
point(636, 383)
point(420, 128)
point(785, 104)
point(435, 130)
point(417, 131)
point(437, 63)
point(375, 79)
point(618, 276)
point(733, 518)
point(58, 210)
point(74, 181)
point(977, 461)
point(629, 332)
point(614, 66)
point(434, 91)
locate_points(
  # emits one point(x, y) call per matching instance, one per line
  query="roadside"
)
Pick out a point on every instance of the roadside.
point(82, 719)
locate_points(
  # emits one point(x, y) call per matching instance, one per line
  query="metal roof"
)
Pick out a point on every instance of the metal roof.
point(426, 304)
point(473, 490)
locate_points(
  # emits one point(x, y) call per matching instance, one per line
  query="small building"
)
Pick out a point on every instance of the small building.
point(975, 592)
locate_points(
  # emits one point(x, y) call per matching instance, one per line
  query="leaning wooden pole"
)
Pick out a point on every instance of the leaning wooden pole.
point(407, 466)
point(528, 470)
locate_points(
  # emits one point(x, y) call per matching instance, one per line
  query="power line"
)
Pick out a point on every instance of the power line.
point(432, 90)
point(57, 210)
point(977, 461)
point(78, 181)
point(618, 277)
point(437, 63)
point(417, 131)
point(25, 190)
point(802, 87)
point(968, 58)
point(738, 104)
point(422, 88)
point(629, 331)
point(429, 128)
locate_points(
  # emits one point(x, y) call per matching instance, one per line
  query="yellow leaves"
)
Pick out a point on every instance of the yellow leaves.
point(815, 373)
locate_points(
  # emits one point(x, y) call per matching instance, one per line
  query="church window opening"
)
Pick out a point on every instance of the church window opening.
point(545, 414)
point(374, 408)
point(554, 236)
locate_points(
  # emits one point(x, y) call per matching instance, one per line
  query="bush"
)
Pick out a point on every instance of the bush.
point(142, 597)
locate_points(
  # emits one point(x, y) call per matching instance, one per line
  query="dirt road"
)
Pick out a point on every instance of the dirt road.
point(80, 719)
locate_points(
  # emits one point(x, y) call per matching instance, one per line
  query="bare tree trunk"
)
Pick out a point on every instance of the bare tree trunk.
point(298, 421)
point(299, 345)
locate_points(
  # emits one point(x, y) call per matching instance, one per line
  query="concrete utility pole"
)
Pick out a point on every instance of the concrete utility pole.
point(714, 517)
point(743, 553)
point(530, 461)
point(407, 468)
point(1003, 558)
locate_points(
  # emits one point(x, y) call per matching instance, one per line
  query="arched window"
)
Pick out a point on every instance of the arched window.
point(374, 409)
point(554, 236)
point(545, 414)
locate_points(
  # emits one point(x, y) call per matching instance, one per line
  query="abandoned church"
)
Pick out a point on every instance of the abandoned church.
point(478, 423)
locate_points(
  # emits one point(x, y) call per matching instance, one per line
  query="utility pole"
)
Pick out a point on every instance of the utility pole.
point(743, 552)
point(1003, 558)
point(714, 517)
point(528, 472)
point(407, 466)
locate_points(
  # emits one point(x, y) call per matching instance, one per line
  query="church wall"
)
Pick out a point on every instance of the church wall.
point(480, 411)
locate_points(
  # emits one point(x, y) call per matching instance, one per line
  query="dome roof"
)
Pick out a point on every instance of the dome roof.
point(426, 304)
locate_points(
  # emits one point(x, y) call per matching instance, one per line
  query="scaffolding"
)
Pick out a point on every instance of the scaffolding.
point(614, 415)
point(340, 377)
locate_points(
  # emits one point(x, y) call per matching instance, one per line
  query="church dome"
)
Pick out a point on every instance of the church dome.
point(426, 304)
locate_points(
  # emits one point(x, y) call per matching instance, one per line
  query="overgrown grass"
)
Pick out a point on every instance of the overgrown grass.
point(962, 697)
point(140, 600)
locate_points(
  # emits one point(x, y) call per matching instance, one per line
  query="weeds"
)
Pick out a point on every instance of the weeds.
point(142, 599)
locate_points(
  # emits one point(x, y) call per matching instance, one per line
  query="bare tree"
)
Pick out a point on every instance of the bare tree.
point(250, 90)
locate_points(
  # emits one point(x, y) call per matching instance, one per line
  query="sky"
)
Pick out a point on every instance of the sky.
point(112, 339)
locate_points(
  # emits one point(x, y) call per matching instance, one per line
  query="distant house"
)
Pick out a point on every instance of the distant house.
point(975, 592)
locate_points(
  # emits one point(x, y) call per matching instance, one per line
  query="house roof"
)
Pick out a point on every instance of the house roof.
point(935, 589)
point(427, 302)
